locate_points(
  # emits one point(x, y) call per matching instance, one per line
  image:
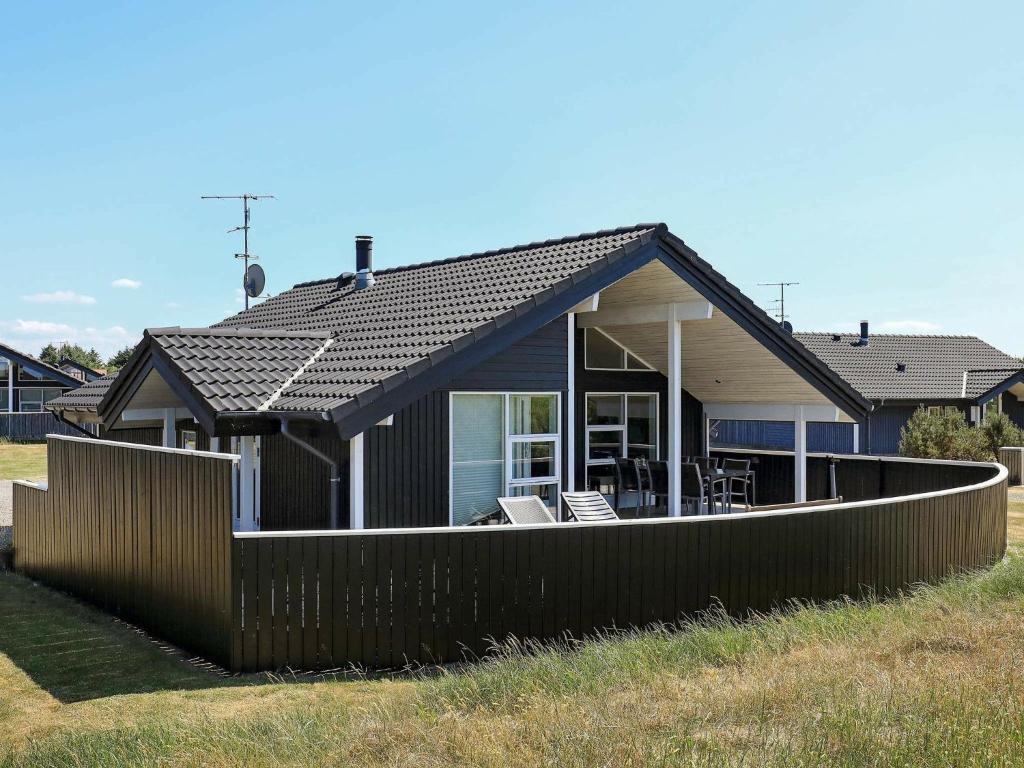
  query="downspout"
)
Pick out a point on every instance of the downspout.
point(72, 424)
point(335, 473)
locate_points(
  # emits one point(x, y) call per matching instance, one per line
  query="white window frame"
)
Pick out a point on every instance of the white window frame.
point(625, 352)
point(620, 428)
point(508, 440)
point(42, 401)
point(183, 439)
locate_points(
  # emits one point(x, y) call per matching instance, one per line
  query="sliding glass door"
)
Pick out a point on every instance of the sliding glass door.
point(503, 444)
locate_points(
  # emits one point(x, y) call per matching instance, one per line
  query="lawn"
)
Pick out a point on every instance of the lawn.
point(22, 461)
point(933, 678)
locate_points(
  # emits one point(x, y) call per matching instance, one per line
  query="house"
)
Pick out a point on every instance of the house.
point(414, 396)
point(79, 371)
point(898, 373)
point(26, 385)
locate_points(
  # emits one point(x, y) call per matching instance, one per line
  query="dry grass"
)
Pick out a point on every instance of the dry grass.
point(22, 461)
point(934, 678)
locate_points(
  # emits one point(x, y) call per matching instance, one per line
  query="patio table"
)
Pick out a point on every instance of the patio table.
point(739, 474)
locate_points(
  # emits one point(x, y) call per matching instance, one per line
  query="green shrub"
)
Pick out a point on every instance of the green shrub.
point(943, 434)
point(1000, 432)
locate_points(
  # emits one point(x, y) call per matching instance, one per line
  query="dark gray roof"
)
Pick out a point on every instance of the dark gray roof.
point(936, 366)
point(416, 313)
point(238, 370)
point(83, 399)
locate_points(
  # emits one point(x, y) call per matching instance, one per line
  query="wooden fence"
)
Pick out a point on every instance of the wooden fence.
point(385, 598)
point(858, 478)
point(30, 427)
point(144, 533)
point(1013, 460)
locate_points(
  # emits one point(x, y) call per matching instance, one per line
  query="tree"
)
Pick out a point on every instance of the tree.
point(119, 360)
point(52, 355)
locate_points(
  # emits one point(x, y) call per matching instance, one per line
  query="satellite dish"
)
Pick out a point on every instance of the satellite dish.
point(786, 325)
point(255, 280)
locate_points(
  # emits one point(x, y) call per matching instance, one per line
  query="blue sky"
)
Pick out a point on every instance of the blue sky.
point(871, 151)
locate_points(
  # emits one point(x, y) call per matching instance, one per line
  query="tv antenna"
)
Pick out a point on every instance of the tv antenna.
point(249, 282)
point(780, 303)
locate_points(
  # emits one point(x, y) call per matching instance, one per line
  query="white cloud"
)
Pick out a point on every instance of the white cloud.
point(172, 305)
point(59, 297)
point(31, 335)
point(126, 282)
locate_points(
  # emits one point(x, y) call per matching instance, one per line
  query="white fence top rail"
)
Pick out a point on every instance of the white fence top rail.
point(234, 457)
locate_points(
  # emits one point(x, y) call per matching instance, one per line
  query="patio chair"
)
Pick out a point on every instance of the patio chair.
point(588, 507)
point(707, 465)
point(526, 510)
point(628, 479)
point(657, 480)
point(702, 491)
point(742, 483)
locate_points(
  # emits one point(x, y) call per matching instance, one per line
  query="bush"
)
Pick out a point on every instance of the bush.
point(943, 435)
point(1000, 432)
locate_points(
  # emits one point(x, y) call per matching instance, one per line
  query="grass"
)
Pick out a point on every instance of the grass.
point(22, 461)
point(935, 678)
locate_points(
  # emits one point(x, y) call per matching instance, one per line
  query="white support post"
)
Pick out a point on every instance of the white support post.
point(675, 415)
point(856, 438)
point(170, 438)
point(247, 468)
point(800, 454)
point(10, 386)
point(214, 445)
point(356, 506)
point(569, 475)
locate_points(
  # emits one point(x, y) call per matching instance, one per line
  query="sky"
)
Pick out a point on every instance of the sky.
point(872, 152)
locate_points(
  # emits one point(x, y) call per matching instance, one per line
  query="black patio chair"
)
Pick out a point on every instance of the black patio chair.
point(743, 484)
point(628, 480)
point(701, 490)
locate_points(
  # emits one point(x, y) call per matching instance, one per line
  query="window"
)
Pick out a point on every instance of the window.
point(938, 410)
point(5, 369)
point(502, 445)
point(188, 439)
point(32, 400)
point(619, 424)
point(5, 403)
point(602, 353)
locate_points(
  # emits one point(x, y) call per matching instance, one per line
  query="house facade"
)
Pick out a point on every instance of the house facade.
point(898, 373)
point(26, 385)
point(415, 396)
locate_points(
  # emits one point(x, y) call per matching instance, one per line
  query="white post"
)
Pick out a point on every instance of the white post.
point(10, 387)
point(214, 445)
point(247, 484)
point(569, 476)
point(356, 507)
point(800, 454)
point(856, 438)
point(675, 414)
point(170, 438)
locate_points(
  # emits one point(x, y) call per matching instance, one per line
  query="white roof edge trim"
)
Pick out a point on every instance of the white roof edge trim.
point(298, 372)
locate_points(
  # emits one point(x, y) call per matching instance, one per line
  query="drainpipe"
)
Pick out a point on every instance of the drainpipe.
point(72, 424)
point(335, 474)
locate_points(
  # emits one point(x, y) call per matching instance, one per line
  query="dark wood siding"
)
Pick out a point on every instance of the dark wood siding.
point(407, 467)
point(1013, 408)
point(295, 485)
point(537, 363)
point(137, 435)
point(31, 427)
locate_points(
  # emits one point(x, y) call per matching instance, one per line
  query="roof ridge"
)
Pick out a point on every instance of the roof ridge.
point(238, 331)
point(893, 335)
point(495, 252)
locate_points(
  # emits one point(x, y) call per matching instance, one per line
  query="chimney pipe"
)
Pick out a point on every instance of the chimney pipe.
point(364, 261)
point(864, 338)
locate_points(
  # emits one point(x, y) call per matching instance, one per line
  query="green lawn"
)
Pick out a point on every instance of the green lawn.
point(934, 678)
point(22, 461)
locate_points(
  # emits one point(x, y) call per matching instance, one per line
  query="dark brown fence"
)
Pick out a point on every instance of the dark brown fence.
point(384, 598)
point(143, 533)
point(1013, 460)
point(30, 427)
point(858, 478)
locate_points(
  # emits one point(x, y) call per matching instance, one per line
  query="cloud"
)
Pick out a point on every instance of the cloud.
point(126, 282)
point(31, 335)
point(59, 297)
point(172, 305)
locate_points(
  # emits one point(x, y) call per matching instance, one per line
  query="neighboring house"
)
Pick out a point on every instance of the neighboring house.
point(26, 385)
point(898, 373)
point(414, 396)
point(81, 372)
